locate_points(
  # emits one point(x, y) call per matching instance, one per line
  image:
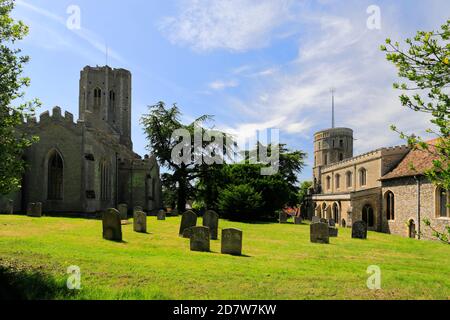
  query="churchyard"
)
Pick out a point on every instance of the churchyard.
point(155, 260)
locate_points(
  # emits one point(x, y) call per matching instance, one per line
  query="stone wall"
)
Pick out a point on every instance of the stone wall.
point(406, 206)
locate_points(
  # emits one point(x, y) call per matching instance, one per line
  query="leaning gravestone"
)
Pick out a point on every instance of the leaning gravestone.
point(359, 230)
point(123, 210)
point(140, 222)
point(283, 217)
point(161, 215)
point(34, 210)
point(200, 239)
point(112, 227)
point(333, 231)
point(188, 219)
point(232, 241)
point(211, 220)
point(297, 220)
point(315, 219)
point(320, 233)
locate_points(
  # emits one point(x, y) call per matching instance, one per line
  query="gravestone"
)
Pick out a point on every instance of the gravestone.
point(315, 219)
point(140, 222)
point(34, 210)
point(211, 220)
point(323, 220)
point(283, 217)
point(319, 233)
point(188, 219)
point(333, 232)
point(174, 213)
point(187, 233)
point(200, 239)
point(123, 210)
point(161, 215)
point(7, 207)
point(232, 241)
point(112, 227)
point(332, 223)
point(138, 209)
point(297, 220)
point(359, 230)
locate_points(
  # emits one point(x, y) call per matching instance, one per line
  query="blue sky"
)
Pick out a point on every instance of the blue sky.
point(253, 64)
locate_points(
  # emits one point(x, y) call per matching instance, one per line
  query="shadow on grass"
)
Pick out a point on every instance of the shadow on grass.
point(31, 285)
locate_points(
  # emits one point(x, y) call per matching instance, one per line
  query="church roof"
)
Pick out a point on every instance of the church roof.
point(415, 163)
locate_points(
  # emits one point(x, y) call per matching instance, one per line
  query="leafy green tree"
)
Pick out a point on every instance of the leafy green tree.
point(159, 125)
point(425, 68)
point(303, 192)
point(12, 110)
point(240, 202)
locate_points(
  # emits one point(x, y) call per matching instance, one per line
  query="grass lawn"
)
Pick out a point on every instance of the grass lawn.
point(279, 263)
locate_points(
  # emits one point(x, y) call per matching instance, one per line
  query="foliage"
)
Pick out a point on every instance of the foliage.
point(303, 192)
point(426, 70)
point(240, 202)
point(441, 236)
point(12, 143)
point(159, 125)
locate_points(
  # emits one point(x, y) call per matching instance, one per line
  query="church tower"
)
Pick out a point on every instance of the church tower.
point(105, 101)
point(331, 146)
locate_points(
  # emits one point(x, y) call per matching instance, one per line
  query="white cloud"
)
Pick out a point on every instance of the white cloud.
point(221, 85)
point(236, 25)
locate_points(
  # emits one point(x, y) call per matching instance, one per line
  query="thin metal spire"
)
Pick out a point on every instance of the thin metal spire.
point(106, 54)
point(333, 90)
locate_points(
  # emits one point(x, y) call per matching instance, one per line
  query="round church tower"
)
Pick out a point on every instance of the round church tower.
point(331, 146)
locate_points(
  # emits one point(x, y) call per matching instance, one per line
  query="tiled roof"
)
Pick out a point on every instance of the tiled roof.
point(416, 162)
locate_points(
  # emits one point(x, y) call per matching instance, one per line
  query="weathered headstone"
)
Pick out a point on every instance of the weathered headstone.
point(161, 215)
point(359, 230)
point(112, 227)
point(123, 210)
point(7, 207)
point(34, 210)
point(187, 233)
point(323, 220)
point(283, 217)
point(200, 239)
point(297, 220)
point(332, 223)
point(232, 241)
point(211, 220)
point(319, 233)
point(138, 209)
point(174, 213)
point(140, 221)
point(333, 232)
point(189, 219)
point(315, 219)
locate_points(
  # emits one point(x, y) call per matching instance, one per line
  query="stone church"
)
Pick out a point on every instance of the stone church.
point(386, 187)
point(89, 165)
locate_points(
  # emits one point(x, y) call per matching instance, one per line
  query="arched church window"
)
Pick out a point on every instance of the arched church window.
point(349, 175)
point(97, 97)
point(55, 176)
point(368, 215)
point(112, 105)
point(390, 205)
point(328, 183)
point(338, 181)
point(105, 181)
point(362, 177)
point(443, 200)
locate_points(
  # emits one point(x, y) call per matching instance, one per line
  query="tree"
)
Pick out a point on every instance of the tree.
point(160, 124)
point(426, 69)
point(12, 143)
point(240, 202)
point(304, 187)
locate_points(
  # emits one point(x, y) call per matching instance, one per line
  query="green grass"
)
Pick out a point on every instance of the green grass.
point(279, 262)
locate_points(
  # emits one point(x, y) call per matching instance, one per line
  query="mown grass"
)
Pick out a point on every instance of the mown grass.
point(279, 262)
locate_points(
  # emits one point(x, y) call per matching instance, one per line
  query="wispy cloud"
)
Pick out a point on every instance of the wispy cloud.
point(95, 41)
point(221, 85)
point(235, 25)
